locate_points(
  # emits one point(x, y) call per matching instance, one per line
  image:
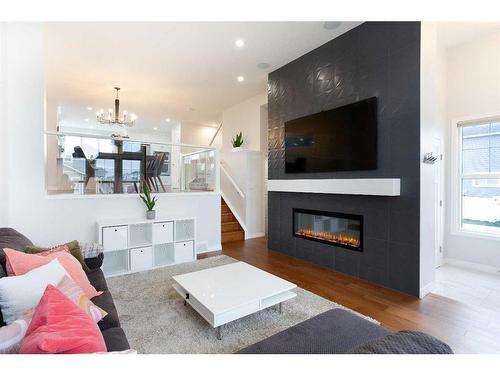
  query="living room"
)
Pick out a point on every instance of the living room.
point(262, 186)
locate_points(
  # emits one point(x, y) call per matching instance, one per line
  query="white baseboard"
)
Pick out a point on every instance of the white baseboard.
point(471, 265)
point(201, 247)
point(254, 235)
point(209, 249)
point(427, 289)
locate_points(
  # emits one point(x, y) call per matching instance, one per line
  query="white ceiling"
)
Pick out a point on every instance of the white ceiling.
point(184, 71)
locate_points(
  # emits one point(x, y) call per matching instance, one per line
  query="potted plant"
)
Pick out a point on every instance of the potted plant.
point(149, 201)
point(237, 141)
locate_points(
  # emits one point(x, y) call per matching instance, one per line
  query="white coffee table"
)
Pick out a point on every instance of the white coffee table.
point(226, 293)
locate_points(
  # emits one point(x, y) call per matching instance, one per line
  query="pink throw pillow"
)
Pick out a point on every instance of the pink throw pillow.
point(76, 294)
point(19, 263)
point(59, 326)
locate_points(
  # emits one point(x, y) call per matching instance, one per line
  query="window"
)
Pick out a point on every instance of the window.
point(105, 176)
point(479, 177)
point(131, 176)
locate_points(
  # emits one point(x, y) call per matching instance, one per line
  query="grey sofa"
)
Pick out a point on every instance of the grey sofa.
point(113, 334)
point(339, 331)
point(334, 331)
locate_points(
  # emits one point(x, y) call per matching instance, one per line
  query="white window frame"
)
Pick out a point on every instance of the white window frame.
point(475, 183)
point(456, 176)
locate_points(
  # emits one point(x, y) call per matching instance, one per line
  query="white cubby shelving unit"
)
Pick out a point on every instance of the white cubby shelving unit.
point(137, 245)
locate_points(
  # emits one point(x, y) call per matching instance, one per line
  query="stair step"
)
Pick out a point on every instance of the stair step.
point(232, 236)
point(230, 226)
point(227, 218)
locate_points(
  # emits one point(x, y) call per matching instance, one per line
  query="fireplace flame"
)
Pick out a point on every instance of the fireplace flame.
point(330, 237)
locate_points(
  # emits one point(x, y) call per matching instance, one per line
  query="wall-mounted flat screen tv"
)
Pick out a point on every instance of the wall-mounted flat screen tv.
point(340, 139)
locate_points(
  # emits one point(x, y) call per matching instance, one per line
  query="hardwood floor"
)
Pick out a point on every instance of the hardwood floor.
point(466, 328)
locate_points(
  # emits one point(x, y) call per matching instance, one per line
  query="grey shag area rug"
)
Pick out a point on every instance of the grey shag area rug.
point(156, 321)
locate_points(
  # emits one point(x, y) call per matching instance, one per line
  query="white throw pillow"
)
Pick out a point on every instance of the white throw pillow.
point(20, 293)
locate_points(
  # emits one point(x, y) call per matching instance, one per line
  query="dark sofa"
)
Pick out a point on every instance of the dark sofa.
point(332, 332)
point(339, 331)
point(110, 326)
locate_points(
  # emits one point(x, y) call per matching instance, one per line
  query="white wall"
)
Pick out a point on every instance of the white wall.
point(246, 167)
point(433, 125)
point(473, 90)
point(48, 221)
point(195, 134)
point(3, 133)
point(244, 117)
point(264, 118)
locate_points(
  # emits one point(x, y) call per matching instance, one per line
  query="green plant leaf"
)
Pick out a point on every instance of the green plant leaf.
point(149, 201)
point(237, 140)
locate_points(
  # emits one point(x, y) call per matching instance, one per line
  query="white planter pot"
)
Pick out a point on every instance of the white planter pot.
point(237, 149)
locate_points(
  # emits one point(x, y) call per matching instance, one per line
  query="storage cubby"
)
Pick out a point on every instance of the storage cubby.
point(115, 262)
point(141, 258)
point(141, 234)
point(184, 251)
point(184, 230)
point(138, 245)
point(163, 255)
point(163, 232)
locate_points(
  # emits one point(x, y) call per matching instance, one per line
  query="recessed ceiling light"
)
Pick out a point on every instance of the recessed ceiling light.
point(215, 125)
point(89, 108)
point(155, 128)
point(240, 43)
point(240, 78)
point(331, 25)
point(86, 120)
point(263, 65)
point(167, 120)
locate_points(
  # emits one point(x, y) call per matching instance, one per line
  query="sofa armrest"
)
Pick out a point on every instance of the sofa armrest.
point(95, 262)
point(92, 254)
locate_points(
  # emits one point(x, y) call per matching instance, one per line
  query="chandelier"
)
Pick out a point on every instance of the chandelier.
point(113, 117)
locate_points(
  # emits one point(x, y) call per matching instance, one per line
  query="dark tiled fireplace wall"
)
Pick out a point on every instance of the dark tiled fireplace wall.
point(374, 59)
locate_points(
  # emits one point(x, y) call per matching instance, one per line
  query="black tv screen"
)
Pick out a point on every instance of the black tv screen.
point(340, 139)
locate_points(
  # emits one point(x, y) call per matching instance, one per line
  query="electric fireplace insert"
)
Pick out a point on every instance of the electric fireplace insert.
point(333, 228)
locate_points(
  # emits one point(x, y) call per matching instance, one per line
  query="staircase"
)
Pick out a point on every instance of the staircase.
point(230, 228)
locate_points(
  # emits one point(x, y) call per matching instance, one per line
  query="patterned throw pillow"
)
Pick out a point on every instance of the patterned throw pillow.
point(73, 247)
point(91, 249)
point(12, 334)
point(76, 294)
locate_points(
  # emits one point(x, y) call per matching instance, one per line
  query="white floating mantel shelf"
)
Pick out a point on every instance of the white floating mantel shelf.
point(354, 186)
